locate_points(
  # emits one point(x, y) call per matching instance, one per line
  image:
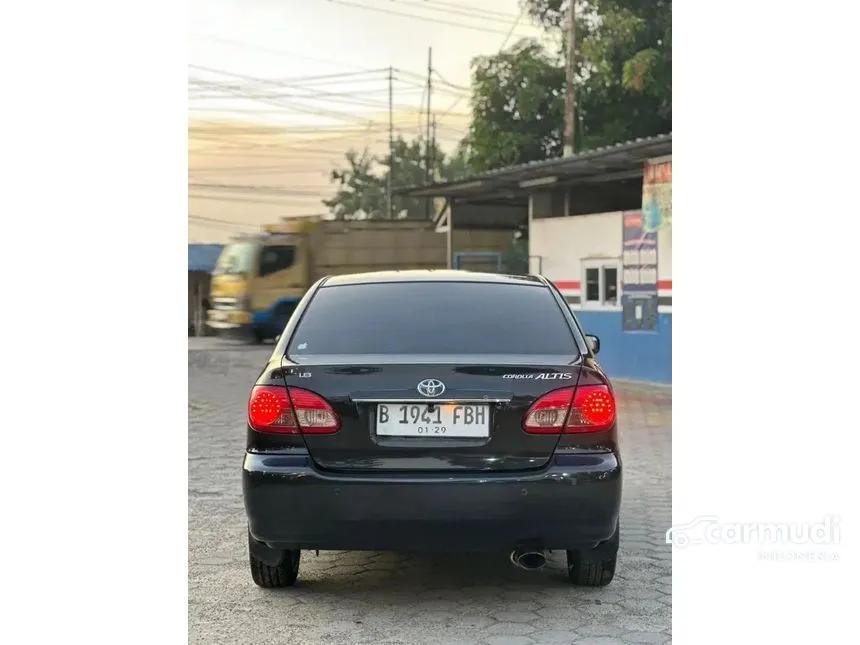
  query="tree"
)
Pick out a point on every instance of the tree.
point(363, 183)
point(623, 82)
point(517, 107)
point(359, 191)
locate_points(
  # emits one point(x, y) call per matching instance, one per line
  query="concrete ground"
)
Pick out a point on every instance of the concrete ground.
point(403, 599)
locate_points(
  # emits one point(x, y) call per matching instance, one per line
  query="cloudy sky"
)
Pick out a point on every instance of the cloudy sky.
point(318, 70)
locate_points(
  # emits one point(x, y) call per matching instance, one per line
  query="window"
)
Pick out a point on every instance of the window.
point(592, 285)
point(276, 258)
point(236, 258)
point(601, 287)
point(434, 318)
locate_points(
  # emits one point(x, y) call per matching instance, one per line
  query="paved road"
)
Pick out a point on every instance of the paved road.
point(399, 599)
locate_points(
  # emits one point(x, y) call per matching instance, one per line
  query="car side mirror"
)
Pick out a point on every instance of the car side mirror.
point(593, 343)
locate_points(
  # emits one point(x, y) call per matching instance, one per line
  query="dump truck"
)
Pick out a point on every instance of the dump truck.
point(260, 278)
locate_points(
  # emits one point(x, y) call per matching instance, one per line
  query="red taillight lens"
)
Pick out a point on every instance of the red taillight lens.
point(547, 414)
point(313, 412)
point(272, 409)
point(593, 409)
point(588, 408)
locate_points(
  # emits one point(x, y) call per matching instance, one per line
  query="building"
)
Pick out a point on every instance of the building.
point(201, 262)
point(598, 225)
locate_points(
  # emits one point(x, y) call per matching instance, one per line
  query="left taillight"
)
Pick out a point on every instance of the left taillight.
point(272, 408)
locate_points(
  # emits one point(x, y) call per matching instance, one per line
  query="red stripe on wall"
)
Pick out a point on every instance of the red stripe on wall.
point(571, 285)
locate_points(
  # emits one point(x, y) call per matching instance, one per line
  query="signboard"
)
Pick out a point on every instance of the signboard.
point(639, 269)
point(657, 194)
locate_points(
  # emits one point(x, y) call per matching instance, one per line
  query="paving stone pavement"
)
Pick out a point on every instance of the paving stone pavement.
point(405, 599)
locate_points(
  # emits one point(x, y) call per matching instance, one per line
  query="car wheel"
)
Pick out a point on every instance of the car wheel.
point(270, 576)
point(594, 567)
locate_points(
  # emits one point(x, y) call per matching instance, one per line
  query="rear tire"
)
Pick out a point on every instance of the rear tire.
point(277, 576)
point(594, 567)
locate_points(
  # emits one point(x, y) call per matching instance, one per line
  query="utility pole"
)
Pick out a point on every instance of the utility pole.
point(570, 99)
point(390, 139)
point(433, 151)
point(428, 177)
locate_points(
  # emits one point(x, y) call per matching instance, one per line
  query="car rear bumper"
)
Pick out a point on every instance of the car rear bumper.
point(292, 504)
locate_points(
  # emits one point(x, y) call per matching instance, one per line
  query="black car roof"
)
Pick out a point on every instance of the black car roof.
point(431, 275)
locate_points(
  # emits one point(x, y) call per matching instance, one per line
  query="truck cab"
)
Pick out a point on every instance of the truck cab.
point(258, 280)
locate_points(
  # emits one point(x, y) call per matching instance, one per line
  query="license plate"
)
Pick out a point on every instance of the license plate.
point(433, 420)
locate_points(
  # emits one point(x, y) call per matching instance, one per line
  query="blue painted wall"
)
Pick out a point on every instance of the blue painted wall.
point(641, 356)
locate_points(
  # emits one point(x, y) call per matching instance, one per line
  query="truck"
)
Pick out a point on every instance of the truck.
point(259, 278)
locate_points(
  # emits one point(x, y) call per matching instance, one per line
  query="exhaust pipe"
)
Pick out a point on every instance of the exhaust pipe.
point(529, 559)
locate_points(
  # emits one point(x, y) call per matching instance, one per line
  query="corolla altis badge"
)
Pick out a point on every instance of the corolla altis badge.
point(431, 387)
point(547, 376)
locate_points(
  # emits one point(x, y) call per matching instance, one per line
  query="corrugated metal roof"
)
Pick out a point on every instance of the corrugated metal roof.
point(202, 257)
point(661, 142)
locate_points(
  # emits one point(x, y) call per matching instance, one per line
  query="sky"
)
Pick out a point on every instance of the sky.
point(318, 70)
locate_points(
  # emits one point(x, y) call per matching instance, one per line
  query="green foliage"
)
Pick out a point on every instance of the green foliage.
point(517, 107)
point(623, 82)
point(363, 181)
point(358, 189)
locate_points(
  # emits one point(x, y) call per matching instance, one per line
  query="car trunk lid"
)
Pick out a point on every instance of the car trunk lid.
point(426, 413)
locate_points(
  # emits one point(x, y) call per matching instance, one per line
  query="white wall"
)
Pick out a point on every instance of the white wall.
point(563, 242)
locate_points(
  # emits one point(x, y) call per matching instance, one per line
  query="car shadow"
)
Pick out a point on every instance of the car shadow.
point(409, 572)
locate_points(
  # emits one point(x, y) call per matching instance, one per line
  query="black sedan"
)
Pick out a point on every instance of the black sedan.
point(433, 410)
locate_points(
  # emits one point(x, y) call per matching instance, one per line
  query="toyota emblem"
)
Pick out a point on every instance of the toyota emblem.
point(431, 387)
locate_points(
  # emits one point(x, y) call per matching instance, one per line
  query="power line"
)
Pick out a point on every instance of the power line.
point(460, 10)
point(315, 94)
point(260, 190)
point(225, 91)
point(501, 49)
point(236, 142)
point(280, 169)
point(333, 97)
point(296, 107)
point(459, 88)
point(277, 52)
point(260, 154)
point(254, 200)
point(507, 17)
point(335, 128)
point(461, 25)
point(315, 152)
point(218, 222)
point(237, 90)
point(315, 79)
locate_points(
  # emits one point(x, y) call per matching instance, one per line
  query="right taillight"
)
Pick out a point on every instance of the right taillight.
point(272, 408)
point(587, 408)
point(593, 409)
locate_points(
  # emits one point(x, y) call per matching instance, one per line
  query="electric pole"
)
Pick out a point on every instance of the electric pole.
point(433, 152)
point(427, 175)
point(390, 139)
point(570, 99)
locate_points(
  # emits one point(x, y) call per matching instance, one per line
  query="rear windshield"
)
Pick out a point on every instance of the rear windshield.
point(433, 318)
